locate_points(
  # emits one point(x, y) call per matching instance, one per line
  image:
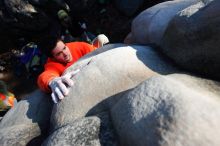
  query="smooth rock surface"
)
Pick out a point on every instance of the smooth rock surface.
point(108, 73)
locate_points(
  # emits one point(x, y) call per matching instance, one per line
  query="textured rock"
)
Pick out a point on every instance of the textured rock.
point(108, 73)
point(192, 39)
point(169, 110)
point(18, 135)
point(149, 25)
point(81, 132)
point(28, 119)
point(107, 133)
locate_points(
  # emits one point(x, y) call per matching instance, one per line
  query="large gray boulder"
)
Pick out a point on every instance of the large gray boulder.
point(27, 120)
point(149, 25)
point(168, 111)
point(107, 73)
point(192, 39)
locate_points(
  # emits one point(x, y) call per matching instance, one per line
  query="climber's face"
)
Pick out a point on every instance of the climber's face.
point(61, 53)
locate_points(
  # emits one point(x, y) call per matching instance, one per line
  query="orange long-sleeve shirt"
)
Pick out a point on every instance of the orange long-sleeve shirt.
point(54, 69)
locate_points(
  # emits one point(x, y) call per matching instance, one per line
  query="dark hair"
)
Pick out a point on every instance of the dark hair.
point(47, 44)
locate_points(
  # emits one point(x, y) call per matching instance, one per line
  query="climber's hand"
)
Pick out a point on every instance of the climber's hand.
point(100, 40)
point(60, 85)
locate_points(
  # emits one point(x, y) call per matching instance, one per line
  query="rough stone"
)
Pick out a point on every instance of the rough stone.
point(169, 110)
point(18, 135)
point(107, 133)
point(192, 39)
point(81, 132)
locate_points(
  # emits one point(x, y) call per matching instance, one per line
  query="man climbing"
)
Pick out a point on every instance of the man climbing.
point(60, 57)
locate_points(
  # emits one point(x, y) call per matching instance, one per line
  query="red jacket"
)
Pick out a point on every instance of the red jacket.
point(54, 69)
